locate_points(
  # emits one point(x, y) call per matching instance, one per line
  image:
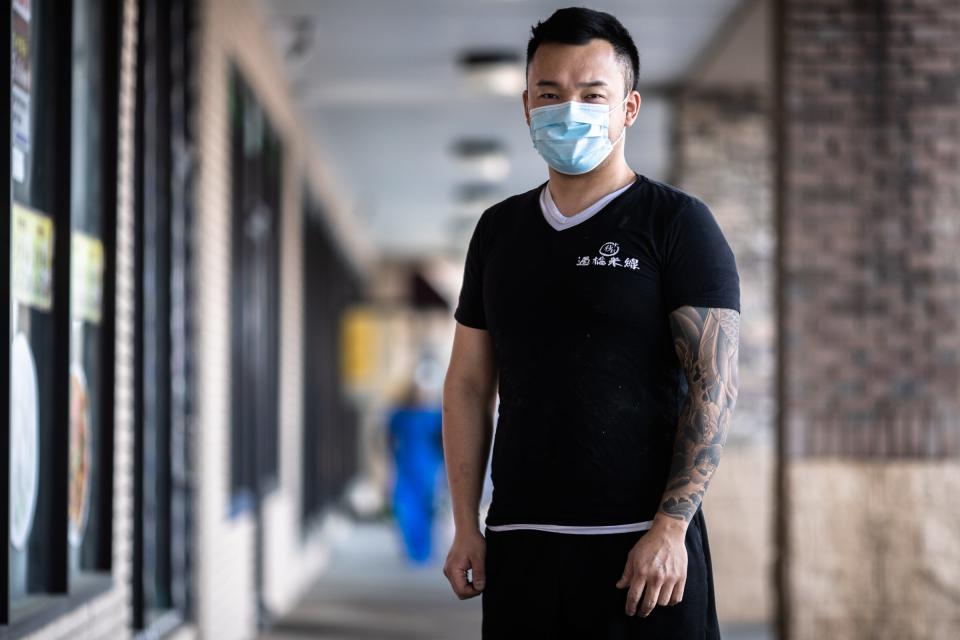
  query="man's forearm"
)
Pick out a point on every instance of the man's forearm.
point(467, 433)
point(706, 341)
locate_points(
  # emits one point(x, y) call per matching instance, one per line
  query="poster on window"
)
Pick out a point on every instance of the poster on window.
point(24, 440)
point(22, 7)
point(32, 257)
point(86, 277)
point(80, 455)
point(20, 88)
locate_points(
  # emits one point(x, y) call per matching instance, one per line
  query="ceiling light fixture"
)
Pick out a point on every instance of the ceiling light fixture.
point(493, 72)
point(483, 159)
point(473, 198)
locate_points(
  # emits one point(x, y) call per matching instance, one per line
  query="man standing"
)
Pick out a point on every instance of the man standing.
point(603, 306)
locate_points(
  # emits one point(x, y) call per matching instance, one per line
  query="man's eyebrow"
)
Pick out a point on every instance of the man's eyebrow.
point(554, 83)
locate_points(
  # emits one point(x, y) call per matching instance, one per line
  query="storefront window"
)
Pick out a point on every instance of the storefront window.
point(59, 421)
point(87, 425)
point(40, 243)
point(257, 171)
point(330, 421)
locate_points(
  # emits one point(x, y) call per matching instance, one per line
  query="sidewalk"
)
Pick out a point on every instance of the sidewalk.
point(370, 592)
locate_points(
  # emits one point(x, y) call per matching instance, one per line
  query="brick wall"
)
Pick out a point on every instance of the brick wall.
point(869, 132)
point(723, 154)
point(236, 31)
point(871, 137)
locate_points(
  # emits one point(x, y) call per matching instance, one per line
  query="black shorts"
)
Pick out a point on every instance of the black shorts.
point(542, 584)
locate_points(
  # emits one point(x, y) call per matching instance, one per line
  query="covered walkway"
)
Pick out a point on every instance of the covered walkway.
point(235, 237)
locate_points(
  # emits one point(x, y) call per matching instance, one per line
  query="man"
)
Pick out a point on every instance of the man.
point(604, 307)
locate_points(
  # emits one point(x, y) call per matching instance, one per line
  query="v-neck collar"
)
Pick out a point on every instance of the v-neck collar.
point(580, 225)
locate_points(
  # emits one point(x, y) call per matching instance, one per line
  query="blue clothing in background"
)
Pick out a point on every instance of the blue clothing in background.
point(415, 437)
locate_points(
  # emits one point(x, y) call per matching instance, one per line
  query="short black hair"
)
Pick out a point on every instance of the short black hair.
point(579, 25)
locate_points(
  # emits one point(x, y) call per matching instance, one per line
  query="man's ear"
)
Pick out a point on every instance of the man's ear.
point(526, 106)
point(632, 115)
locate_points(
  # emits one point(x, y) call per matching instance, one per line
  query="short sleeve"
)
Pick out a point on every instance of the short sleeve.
point(699, 268)
point(469, 309)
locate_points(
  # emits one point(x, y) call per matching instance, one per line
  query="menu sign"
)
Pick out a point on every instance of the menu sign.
point(32, 259)
point(86, 277)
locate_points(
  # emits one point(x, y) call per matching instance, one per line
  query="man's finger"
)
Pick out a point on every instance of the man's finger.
point(479, 574)
point(666, 593)
point(461, 587)
point(678, 592)
point(624, 580)
point(633, 597)
point(649, 599)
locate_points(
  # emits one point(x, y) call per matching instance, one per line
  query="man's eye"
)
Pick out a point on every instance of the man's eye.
point(548, 96)
point(595, 96)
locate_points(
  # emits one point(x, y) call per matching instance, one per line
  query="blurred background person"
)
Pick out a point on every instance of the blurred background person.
point(415, 443)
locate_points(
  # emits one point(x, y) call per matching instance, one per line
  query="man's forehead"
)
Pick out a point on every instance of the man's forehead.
point(592, 62)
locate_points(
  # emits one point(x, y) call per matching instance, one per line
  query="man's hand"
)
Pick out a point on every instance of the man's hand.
point(468, 551)
point(656, 569)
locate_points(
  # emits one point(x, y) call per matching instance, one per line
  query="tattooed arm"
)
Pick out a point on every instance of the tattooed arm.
point(707, 341)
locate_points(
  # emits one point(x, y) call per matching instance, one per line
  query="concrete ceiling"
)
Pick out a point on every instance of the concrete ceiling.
point(380, 85)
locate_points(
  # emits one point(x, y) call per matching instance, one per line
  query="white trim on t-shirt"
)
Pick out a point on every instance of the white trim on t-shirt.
point(559, 221)
point(586, 529)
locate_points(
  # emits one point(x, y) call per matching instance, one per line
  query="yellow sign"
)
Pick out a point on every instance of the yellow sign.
point(32, 259)
point(86, 277)
point(359, 346)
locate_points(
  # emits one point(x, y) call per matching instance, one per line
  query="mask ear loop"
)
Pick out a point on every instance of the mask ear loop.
point(624, 132)
point(623, 103)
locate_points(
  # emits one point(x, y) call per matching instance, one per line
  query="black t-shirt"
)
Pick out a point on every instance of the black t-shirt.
point(590, 385)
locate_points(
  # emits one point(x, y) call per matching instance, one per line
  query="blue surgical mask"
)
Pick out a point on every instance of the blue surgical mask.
point(573, 137)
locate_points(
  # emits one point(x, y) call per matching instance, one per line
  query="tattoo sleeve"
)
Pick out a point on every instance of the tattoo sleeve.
point(706, 340)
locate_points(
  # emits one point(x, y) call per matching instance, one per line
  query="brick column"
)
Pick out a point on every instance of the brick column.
point(869, 302)
point(722, 143)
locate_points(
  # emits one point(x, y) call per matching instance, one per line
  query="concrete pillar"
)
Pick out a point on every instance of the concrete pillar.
point(868, 196)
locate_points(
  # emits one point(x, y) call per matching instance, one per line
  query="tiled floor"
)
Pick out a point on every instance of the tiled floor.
point(370, 592)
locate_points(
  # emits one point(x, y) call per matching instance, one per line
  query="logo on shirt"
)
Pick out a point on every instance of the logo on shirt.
point(609, 249)
point(608, 257)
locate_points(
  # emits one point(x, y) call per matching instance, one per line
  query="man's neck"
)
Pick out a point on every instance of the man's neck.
point(573, 194)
